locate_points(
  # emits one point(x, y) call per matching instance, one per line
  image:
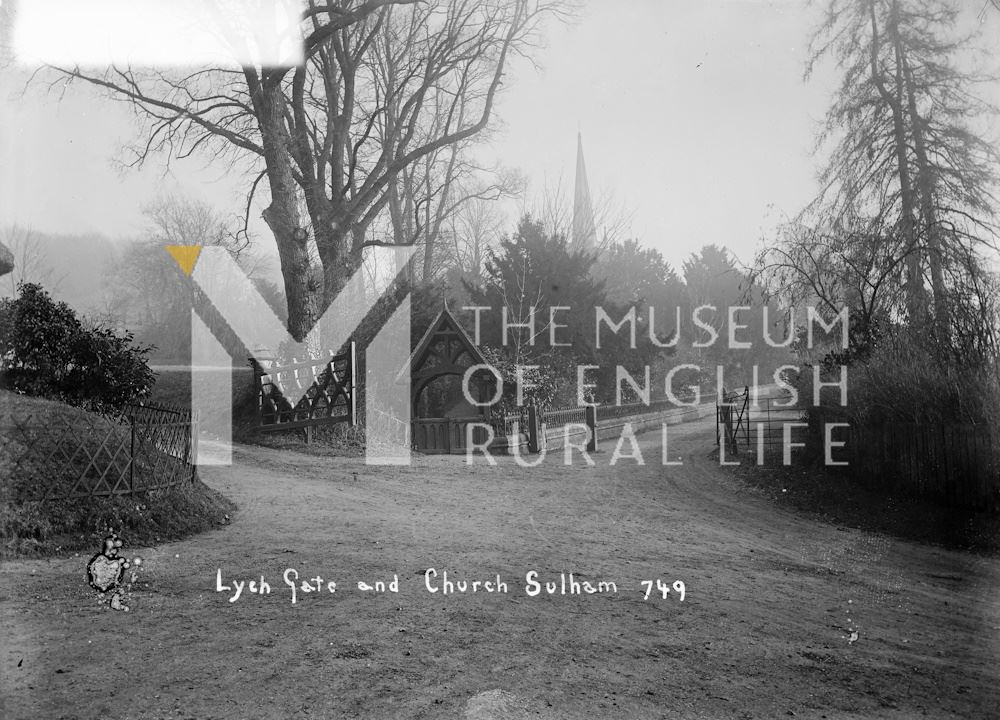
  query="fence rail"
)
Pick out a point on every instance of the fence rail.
point(613, 412)
point(147, 447)
point(503, 423)
point(558, 418)
point(774, 424)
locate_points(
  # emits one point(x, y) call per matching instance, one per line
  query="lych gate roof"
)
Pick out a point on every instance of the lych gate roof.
point(440, 352)
point(443, 328)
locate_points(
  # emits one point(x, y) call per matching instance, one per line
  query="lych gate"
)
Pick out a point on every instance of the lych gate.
point(441, 411)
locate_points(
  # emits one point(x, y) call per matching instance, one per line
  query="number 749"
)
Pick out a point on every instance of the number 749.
point(663, 589)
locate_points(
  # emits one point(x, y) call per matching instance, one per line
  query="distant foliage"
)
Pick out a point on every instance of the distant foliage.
point(539, 382)
point(46, 351)
point(898, 379)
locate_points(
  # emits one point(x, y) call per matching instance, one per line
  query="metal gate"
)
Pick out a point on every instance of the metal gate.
point(732, 419)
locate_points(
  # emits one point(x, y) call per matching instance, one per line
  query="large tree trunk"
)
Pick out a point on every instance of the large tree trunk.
point(282, 215)
point(915, 302)
point(930, 230)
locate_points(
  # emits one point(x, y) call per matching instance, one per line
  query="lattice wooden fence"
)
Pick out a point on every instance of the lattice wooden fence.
point(304, 393)
point(148, 447)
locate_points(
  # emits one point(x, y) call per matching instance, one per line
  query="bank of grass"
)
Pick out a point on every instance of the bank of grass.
point(51, 527)
point(901, 381)
point(31, 527)
point(842, 500)
point(332, 440)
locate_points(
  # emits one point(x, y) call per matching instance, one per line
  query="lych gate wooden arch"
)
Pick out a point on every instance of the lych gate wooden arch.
point(445, 351)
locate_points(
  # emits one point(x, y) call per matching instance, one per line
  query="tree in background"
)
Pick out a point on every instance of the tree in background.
point(31, 262)
point(632, 274)
point(151, 296)
point(909, 184)
point(476, 230)
point(712, 278)
point(46, 351)
point(426, 196)
point(831, 271)
point(526, 275)
point(900, 232)
point(554, 209)
point(534, 277)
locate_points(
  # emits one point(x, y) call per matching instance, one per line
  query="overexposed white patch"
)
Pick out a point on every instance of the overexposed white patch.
point(158, 32)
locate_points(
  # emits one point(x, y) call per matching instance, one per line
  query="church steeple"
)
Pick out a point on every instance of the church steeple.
point(584, 230)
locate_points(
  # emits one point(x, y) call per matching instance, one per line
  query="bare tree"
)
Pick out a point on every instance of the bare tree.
point(31, 261)
point(426, 196)
point(476, 230)
point(335, 134)
point(830, 269)
point(906, 166)
point(554, 208)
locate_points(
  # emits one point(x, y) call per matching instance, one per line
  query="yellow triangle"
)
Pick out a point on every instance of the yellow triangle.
point(185, 255)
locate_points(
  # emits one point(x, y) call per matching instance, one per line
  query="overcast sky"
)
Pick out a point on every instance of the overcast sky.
point(695, 117)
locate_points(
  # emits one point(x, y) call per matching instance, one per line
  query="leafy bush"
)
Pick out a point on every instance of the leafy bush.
point(47, 527)
point(46, 351)
point(900, 380)
point(540, 381)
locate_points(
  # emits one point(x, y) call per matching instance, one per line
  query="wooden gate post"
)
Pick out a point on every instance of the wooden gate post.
point(746, 412)
point(718, 413)
point(590, 413)
point(195, 430)
point(353, 385)
point(533, 429)
point(131, 454)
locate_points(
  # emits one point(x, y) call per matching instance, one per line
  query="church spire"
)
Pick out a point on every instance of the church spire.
point(584, 230)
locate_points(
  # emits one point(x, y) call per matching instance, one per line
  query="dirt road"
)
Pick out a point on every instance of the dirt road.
point(782, 616)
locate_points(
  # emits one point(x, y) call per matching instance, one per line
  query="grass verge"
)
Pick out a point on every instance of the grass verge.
point(30, 459)
point(36, 528)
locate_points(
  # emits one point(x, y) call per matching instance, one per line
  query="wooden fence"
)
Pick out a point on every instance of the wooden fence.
point(147, 447)
point(607, 420)
point(954, 464)
point(950, 463)
point(324, 390)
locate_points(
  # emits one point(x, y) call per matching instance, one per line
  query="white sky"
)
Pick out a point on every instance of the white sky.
point(694, 116)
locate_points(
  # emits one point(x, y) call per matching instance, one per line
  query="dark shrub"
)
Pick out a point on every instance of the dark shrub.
point(46, 351)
